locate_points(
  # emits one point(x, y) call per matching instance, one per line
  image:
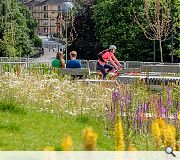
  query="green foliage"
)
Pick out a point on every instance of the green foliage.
point(37, 41)
point(86, 42)
point(177, 26)
point(11, 107)
point(17, 29)
point(115, 24)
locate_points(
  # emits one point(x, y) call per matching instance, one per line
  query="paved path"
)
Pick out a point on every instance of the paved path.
point(50, 49)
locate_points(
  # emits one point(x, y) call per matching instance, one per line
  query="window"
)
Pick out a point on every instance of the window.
point(45, 8)
point(45, 30)
point(59, 8)
point(45, 23)
point(45, 15)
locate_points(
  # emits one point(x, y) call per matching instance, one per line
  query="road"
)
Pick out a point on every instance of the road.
point(50, 49)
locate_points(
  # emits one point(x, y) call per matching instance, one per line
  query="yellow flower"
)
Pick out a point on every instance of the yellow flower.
point(170, 136)
point(160, 122)
point(179, 116)
point(119, 142)
point(67, 144)
point(156, 134)
point(162, 128)
point(132, 148)
point(90, 139)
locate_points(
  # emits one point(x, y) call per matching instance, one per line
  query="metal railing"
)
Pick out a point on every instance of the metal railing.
point(91, 64)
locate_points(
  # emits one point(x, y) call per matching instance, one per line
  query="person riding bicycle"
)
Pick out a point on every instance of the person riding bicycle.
point(104, 57)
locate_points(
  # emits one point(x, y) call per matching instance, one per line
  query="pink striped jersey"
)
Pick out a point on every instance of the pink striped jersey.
point(109, 56)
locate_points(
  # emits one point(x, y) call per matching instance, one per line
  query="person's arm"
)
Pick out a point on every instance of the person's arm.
point(63, 64)
point(115, 60)
point(113, 63)
point(62, 61)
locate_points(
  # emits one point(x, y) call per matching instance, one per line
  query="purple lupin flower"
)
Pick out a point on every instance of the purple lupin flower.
point(160, 107)
point(166, 112)
point(145, 107)
point(115, 95)
point(138, 121)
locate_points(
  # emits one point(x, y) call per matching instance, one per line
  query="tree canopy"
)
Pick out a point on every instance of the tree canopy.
point(115, 24)
point(109, 22)
point(17, 29)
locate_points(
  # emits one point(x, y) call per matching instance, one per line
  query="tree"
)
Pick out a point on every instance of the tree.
point(17, 29)
point(87, 44)
point(156, 24)
point(114, 23)
point(176, 6)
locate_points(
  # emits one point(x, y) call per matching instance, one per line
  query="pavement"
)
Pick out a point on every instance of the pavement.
point(50, 49)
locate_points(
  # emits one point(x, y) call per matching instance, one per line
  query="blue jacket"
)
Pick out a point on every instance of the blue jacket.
point(73, 64)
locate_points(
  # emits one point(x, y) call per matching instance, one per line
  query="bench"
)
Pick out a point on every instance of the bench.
point(155, 75)
point(160, 69)
point(76, 72)
point(150, 80)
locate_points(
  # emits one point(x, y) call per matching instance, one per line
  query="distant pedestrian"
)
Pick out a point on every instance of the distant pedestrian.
point(42, 51)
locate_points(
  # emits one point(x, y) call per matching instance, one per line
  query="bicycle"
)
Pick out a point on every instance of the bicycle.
point(112, 74)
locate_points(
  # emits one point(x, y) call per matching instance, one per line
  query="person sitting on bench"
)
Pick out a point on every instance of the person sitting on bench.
point(59, 62)
point(73, 63)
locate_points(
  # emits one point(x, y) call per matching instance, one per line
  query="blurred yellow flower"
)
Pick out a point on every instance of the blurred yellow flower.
point(132, 148)
point(119, 140)
point(170, 135)
point(90, 139)
point(156, 134)
point(160, 121)
point(67, 144)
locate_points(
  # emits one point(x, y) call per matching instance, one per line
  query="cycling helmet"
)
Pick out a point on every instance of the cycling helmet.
point(112, 47)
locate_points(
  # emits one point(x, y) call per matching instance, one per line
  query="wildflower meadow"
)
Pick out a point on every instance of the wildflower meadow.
point(48, 112)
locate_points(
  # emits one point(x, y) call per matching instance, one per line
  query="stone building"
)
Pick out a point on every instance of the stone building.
point(46, 13)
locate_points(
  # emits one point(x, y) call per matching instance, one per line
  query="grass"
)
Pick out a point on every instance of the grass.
point(39, 110)
point(36, 130)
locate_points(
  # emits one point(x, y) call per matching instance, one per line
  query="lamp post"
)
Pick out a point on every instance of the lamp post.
point(66, 7)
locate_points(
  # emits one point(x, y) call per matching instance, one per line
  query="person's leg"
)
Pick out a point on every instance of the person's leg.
point(102, 69)
point(109, 67)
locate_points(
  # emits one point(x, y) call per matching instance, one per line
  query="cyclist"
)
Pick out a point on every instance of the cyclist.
point(104, 57)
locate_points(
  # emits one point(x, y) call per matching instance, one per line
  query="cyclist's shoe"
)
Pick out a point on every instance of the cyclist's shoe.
point(112, 78)
point(117, 73)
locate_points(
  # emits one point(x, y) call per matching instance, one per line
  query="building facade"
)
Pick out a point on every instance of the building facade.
point(46, 13)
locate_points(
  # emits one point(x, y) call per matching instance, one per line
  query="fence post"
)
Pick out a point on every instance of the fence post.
point(27, 62)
